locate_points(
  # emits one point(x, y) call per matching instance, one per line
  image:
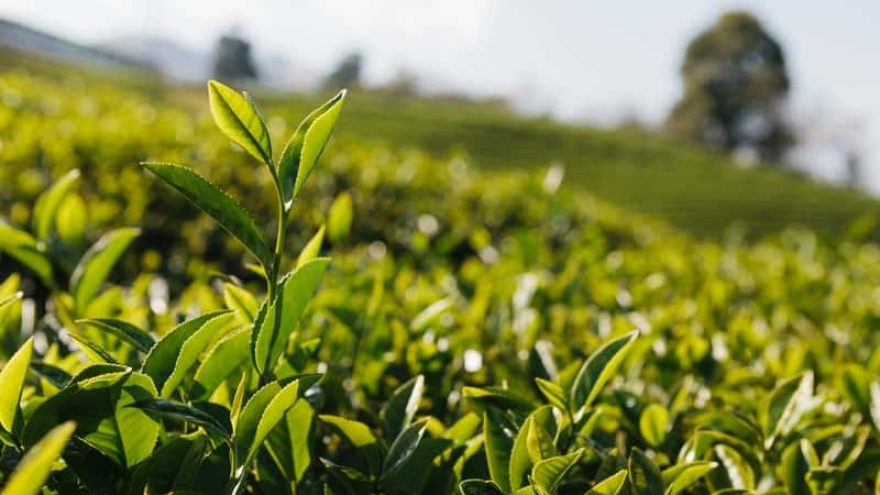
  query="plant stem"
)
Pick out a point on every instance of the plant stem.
point(275, 296)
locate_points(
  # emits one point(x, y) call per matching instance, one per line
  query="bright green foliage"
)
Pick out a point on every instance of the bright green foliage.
point(237, 117)
point(47, 207)
point(36, 465)
point(305, 147)
point(12, 378)
point(96, 264)
point(482, 334)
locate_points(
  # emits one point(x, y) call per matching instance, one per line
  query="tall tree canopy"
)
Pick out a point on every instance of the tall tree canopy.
point(233, 60)
point(348, 73)
point(735, 84)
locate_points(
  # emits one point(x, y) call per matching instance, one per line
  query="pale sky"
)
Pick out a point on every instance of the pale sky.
point(585, 60)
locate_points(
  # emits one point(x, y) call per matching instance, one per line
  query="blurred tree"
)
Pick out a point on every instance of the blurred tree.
point(735, 83)
point(233, 60)
point(348, 73)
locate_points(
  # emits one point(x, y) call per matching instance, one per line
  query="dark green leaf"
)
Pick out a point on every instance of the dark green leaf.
point(216, 203)
point(134, 335)
point(182, 412)
point(597, 370)
point(402, 406)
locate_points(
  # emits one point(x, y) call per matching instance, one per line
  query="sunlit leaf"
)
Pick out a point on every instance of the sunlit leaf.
point(238, 118)
point(34, 468)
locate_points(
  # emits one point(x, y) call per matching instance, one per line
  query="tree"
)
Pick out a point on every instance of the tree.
point(233, 60)
point(348, 73)
point(735, 84)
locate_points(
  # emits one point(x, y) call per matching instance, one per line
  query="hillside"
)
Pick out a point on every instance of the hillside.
point(700, 192)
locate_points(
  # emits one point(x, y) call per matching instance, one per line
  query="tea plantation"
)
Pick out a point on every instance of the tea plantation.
point(274, 317)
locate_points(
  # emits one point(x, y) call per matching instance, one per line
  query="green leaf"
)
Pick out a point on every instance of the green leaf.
point(403, 447)
point(739, 473)
point(34, 468)
point(10, 299)
point(479, 487)
point(312, 249)
point(192, 348)
point(12, 378)
point(100, 407)
point(339, 218)
point(597, 370)
point(92, 350)
point(216, 203)
point(497, 433)
point(48, 203)
point(183, 412)
point(679, 477)
point(289, 443)
point(296, 290)
point(160, 362)
point(643, 475)
point(496, 397)
point(174, 464)
point(788, 402)
point(305, 147)
point(237, 117)
point(554, 394)
point(24, 248)
point(227, 355)
point(875, 404)
point(140, 339)
point(357, 433)
point(550, 472)
point(653, 423)
point(96, 264)
point(611, 485)
point(794, 470)
point(520, 463)
point(72, 219)
point(241, 301)
point(400, 409)
point(260, 414)
point(531, 445)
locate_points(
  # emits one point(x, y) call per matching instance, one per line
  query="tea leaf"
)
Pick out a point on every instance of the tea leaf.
point(216, 203)
point(34, 468)
point(12, 378)
point(137, 337)
point(612, 485)
point(160, 362)
point(47, 205)
point(238, 118)
point(94, 267)
point(400, 409)
point(597, 370)
point(652, 424)
point(296, 290)
point(305, 147)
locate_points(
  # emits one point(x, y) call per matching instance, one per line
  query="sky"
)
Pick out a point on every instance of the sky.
point(584, 60)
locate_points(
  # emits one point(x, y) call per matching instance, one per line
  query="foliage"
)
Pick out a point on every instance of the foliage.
point(735, 81)
point(472, 333)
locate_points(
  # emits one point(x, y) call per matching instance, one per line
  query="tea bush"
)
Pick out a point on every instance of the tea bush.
point(472, 333)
